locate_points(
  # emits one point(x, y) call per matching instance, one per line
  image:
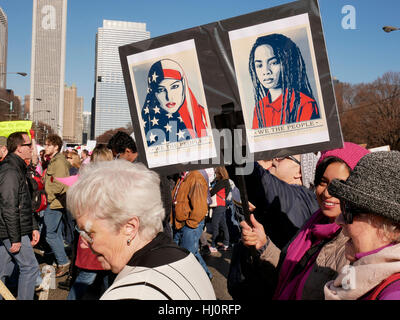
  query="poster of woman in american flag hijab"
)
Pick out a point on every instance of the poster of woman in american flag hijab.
point(171, 104)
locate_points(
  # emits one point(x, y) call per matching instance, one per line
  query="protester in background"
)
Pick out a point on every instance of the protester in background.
point(221, 188)
point(123, 146)
point(58, 167)
point(18, 227)
point(281, 197)
point(121, 221)
point(370, 216)
point(89, 268)
point(85, 157)
point(316, 253)
point(3, 148)
point(189, 210)
point(74, 161)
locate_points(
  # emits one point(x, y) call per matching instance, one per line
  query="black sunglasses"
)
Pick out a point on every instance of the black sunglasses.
point(26, 144)
point(290, 158)
point(349, 211)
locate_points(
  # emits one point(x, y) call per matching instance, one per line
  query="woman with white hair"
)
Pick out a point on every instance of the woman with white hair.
point(370, 201)
point(121, 221)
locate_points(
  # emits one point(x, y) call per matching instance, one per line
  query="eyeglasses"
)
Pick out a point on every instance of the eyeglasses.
point(290, 158)
point(84, 235)
point(349, 211)
point(27, 144)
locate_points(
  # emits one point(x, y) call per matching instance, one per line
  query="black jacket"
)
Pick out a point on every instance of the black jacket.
point(281, 208)
point(16, 215)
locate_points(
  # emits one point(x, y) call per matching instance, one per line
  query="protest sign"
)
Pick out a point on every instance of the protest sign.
point(252, 87)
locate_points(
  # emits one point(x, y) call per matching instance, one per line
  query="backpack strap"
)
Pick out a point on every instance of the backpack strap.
point(383, 285)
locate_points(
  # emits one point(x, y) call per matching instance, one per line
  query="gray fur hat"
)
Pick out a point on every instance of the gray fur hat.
point(373, 185)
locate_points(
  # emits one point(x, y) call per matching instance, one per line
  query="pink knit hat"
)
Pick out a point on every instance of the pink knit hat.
point(351, 153)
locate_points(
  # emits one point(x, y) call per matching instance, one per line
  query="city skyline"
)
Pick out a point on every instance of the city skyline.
point(111, 108)
point(356, 55)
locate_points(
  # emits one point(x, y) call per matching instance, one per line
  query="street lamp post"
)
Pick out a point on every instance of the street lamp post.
point(390, 29)
point(10, 103)
point(24, 74)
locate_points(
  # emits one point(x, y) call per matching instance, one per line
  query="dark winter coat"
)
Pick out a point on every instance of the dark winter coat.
point(16, 215)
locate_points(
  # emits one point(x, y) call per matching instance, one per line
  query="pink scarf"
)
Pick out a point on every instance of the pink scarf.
point(315, 230)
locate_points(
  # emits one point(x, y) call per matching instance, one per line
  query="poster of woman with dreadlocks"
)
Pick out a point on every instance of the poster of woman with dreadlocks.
point(281, 88)
point(278, 83)
point(171, 104)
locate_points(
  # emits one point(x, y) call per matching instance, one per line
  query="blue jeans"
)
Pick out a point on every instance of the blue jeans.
point(218, 220)
point(188, 238)
point(84, 279)
point(53, 228)
point(27, 264)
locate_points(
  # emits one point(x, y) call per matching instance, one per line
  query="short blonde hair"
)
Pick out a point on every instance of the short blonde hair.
point(117, 191)
point(101, 153)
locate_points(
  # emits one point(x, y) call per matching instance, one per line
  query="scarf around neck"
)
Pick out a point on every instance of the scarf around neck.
point(313, 232)
point(365, 274)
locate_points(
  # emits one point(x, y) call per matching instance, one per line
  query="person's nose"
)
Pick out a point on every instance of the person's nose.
point(267, 69)
point(167, 94)
point(326, 193)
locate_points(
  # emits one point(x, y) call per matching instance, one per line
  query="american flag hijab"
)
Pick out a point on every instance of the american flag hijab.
point(160, 125)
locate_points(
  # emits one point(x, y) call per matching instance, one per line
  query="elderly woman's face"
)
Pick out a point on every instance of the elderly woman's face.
point(107, 244)
point(364, 236)
point(170, 94)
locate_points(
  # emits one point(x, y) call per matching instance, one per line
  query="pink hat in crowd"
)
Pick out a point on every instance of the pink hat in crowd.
point(351, 153)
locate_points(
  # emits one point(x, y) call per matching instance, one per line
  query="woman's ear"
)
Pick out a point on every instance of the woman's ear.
point(132, 226)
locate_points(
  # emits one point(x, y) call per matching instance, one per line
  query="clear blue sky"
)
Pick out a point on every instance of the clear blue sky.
point(359, 55)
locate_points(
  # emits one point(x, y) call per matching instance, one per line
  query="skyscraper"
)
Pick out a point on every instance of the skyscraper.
point(111, 104)
point(3, 48)
point(79, 120)
point(69, 113)
point(49, 28)
point(86, 126)
point(73, 121)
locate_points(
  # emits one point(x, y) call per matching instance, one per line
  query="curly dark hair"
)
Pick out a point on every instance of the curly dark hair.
point(120, 141)
point(55, 140)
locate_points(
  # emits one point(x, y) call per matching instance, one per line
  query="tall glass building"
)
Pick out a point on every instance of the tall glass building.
point(49, 29)
point(110, 109)
point(3, 48)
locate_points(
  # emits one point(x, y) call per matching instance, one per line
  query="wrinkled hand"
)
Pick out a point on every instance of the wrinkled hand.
point(15, 247)
point(35, 238)
point(253, 236)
